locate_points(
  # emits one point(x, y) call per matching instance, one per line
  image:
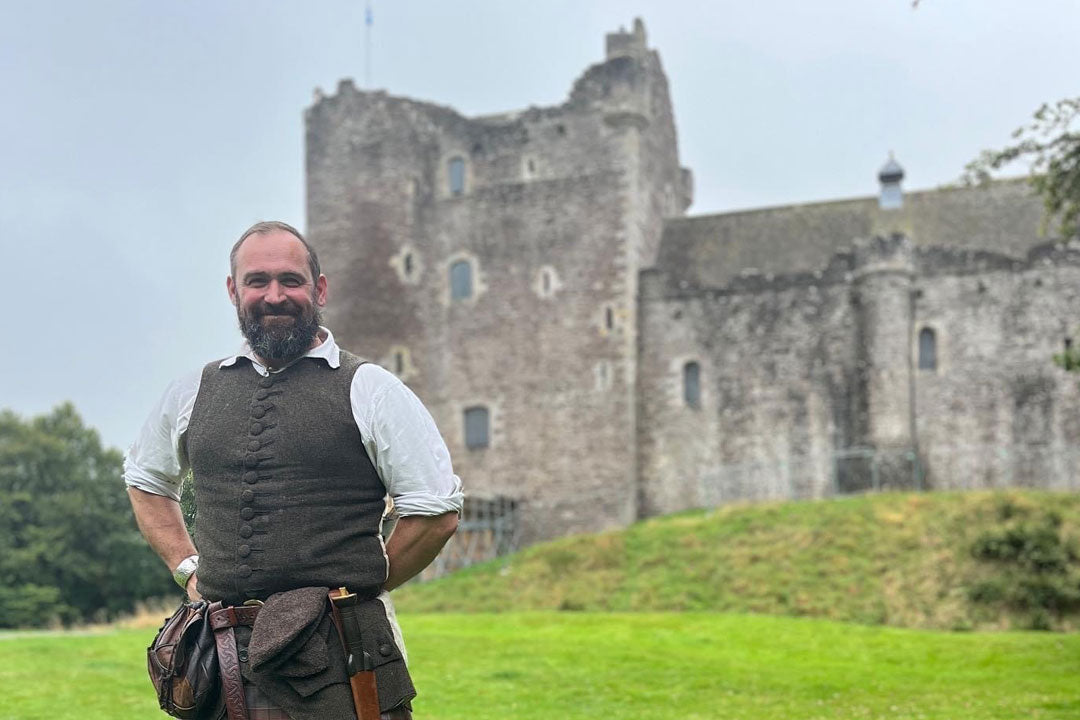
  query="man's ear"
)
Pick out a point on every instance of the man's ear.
point(320, 291)
point(230, 285)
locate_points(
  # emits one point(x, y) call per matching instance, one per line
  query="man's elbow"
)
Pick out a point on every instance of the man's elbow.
point(448, 524)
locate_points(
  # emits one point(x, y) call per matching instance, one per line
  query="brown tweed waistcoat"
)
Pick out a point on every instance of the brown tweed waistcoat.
point(286, 495)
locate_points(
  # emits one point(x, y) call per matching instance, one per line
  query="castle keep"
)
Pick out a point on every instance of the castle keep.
point(595, 356)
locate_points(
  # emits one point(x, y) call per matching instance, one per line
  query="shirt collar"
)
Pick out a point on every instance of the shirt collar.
point(327, 350)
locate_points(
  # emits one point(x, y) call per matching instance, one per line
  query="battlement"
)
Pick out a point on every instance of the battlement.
point(623, 43)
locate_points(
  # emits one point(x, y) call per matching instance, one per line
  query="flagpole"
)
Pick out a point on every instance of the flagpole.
point(369, 20)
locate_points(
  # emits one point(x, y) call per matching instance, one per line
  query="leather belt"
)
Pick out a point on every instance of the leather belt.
point(223, 618)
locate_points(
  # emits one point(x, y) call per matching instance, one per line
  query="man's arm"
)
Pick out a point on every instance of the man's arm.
point(414, 543)
point(162, 524)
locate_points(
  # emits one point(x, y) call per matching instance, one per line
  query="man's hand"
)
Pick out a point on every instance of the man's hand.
point(190, 588)
point(414, 543)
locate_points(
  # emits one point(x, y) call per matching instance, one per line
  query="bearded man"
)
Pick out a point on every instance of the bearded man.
point(294, 445)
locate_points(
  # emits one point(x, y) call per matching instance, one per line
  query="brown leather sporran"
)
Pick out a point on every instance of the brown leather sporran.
point(183, 665)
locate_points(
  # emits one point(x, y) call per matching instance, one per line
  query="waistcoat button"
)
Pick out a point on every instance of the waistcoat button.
point(251, 461)
point(245, 531)
point(254, 445)
point(262, 394)
point(250, 478)
point(243, 571)
point(266, 382)
point(256, 428)
point(258, 411)
point(248, 495)
point(247, 513)
point(245, 550)
point(385, 650)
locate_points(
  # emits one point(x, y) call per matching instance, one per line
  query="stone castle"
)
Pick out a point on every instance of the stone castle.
point(595, 356)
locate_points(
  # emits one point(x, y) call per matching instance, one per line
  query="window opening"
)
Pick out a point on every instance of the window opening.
point(477, 426)
point(927, 349)
point(692, 384)
point(408, 264)
point(456, 171)
point(399, 362)
point(609, 318)
point(460, 280)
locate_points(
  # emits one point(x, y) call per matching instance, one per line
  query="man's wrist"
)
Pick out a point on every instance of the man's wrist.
point(183, 572)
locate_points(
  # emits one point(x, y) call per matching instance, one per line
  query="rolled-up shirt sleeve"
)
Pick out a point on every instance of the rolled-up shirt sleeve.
point(155, 462)
point(404, 444)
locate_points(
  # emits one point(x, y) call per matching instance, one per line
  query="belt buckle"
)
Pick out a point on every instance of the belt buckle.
point(253, 603)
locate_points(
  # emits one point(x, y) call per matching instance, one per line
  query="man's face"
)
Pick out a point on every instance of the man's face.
point(277, 301)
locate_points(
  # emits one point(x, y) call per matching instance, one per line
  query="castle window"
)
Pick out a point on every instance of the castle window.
point(407, 264)
point(460, 280)
point(399, 362)
point(477, 426)
point(456, 175)
point(609, 318)
point(927, 349)
point(546, 282)
point(692, 384)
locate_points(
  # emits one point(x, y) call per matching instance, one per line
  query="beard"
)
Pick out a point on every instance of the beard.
point(281, 333)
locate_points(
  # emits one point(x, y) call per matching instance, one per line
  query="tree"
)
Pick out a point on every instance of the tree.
point(1051, 146)
point(69, 547)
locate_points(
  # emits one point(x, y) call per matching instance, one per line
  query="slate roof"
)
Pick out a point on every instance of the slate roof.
point(710, 250)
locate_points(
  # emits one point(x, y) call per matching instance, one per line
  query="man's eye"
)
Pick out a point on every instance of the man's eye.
point(291, 282)
point(256, 283)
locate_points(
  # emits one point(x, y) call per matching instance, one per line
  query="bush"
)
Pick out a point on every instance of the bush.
point(1035, 566)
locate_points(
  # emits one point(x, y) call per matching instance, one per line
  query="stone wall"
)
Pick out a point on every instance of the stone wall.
point(811, 381)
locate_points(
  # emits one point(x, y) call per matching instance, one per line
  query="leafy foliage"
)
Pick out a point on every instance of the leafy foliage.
point(69, 547)
point(1036, 565)
point(1051, 146)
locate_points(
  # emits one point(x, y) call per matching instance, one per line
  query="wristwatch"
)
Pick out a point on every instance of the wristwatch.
point(185, 570)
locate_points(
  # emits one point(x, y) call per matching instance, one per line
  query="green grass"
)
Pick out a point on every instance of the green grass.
point(895, 559)
point(638, 666)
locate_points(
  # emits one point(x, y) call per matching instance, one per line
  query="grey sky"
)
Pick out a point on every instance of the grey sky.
point(141, 137)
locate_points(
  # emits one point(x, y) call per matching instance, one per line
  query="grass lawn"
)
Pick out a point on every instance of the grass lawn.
point(899, 559)
point(545, 665)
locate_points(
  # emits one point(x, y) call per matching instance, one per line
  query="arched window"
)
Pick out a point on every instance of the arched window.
point(460, 280)
point(456, 175)
point(691, 374)
point(477, 427)
point(927, 349)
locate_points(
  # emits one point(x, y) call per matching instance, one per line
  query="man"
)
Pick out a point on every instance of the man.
point(294, 445)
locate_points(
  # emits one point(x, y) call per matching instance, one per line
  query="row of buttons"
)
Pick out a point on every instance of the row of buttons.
point(261, 411)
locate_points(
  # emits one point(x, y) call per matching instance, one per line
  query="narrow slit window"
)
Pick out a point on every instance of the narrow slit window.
point(408, 264)
point(460, 280)
point(609, 318)
point(477, 427)
point(456, 170)
point(927, 349)
point(399, 362)
point(692, 384)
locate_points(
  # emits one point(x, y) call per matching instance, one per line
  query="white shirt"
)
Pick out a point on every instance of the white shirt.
point(398, 434)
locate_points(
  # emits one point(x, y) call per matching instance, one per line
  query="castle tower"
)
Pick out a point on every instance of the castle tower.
point(882, 296)
point(492, 263)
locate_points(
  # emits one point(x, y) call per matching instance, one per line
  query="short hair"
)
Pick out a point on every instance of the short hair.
point(269, 226)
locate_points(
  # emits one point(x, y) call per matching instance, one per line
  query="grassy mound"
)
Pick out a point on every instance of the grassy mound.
point(933, 560)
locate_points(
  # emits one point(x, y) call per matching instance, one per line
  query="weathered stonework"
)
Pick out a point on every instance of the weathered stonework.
point(589, 294)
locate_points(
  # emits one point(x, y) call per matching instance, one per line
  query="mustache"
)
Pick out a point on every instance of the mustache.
point(284, 308)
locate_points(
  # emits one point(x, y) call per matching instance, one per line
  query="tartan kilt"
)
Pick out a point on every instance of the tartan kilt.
point(260, 707)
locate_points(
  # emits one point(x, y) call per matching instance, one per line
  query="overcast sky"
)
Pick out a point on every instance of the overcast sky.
point(140, 137)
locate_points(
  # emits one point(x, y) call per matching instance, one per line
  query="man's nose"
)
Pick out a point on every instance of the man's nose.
point(274, 293)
